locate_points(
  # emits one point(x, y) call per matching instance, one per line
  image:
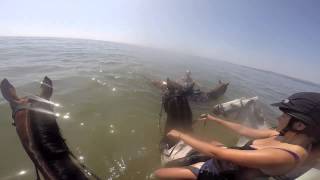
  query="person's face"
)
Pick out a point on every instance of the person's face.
point(283, 121)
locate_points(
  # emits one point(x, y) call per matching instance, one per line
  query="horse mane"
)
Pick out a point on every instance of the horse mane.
point(51, 144)
point(179, 114)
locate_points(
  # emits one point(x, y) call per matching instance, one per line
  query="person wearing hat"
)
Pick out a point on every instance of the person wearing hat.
point(284, 153)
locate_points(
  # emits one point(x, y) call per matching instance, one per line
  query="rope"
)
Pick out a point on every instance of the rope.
point(37, 172)
point(160, 117)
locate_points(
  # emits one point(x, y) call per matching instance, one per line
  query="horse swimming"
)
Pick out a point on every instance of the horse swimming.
point(40, 135)
point(192, 90)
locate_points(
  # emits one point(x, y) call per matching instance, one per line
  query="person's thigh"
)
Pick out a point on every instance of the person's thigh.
point(174, 173)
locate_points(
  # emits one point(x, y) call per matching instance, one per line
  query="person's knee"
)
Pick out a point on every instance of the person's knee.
point(174, 173)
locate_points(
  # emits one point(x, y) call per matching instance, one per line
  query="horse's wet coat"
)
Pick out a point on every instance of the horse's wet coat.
point(179, 114)
point(40, 135)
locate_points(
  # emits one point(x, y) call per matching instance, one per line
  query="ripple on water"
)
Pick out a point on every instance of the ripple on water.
point(112, 129)
point(101, 82)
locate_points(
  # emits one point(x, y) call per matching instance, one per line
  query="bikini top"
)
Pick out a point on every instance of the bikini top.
point(293, 174)
point(247, 146)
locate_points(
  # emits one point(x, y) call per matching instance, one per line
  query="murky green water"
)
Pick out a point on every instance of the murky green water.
point(113, 110)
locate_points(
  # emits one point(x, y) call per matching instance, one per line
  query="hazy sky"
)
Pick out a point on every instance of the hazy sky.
point(278, 35)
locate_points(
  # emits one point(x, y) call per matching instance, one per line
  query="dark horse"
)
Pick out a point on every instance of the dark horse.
point(196, 95)
point(214, 93)
point(179, 114)
point(40, 135)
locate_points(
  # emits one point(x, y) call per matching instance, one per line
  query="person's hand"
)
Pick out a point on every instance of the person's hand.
point(203, 117)
point(174, 134)
point(206, 117)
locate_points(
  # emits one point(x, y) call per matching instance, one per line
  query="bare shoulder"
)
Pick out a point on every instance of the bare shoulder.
point(271, 145)
point(298, 150)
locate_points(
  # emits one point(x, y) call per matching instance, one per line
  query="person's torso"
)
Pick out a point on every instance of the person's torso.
point(297, 152)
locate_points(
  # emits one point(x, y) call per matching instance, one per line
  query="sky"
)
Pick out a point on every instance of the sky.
point(275, 35)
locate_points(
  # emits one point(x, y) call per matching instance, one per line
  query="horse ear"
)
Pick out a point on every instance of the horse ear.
point(8, 91)
point(46, 88)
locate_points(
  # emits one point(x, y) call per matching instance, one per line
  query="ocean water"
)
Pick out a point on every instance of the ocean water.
point(109, 110)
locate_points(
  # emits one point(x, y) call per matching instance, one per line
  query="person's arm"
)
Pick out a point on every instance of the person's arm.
point(241, 129)
point(266, 158)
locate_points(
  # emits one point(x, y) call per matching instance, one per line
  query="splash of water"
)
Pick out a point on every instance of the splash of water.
point(118, 169)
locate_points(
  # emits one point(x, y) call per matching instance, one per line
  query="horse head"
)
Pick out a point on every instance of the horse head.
point(219, 90)
point(39, 133)
point(176, 105)
point(9, 93)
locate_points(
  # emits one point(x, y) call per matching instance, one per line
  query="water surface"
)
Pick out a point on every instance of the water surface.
point(111, 111)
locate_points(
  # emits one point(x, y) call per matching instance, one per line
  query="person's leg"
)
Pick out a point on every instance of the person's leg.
point(174, 173)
